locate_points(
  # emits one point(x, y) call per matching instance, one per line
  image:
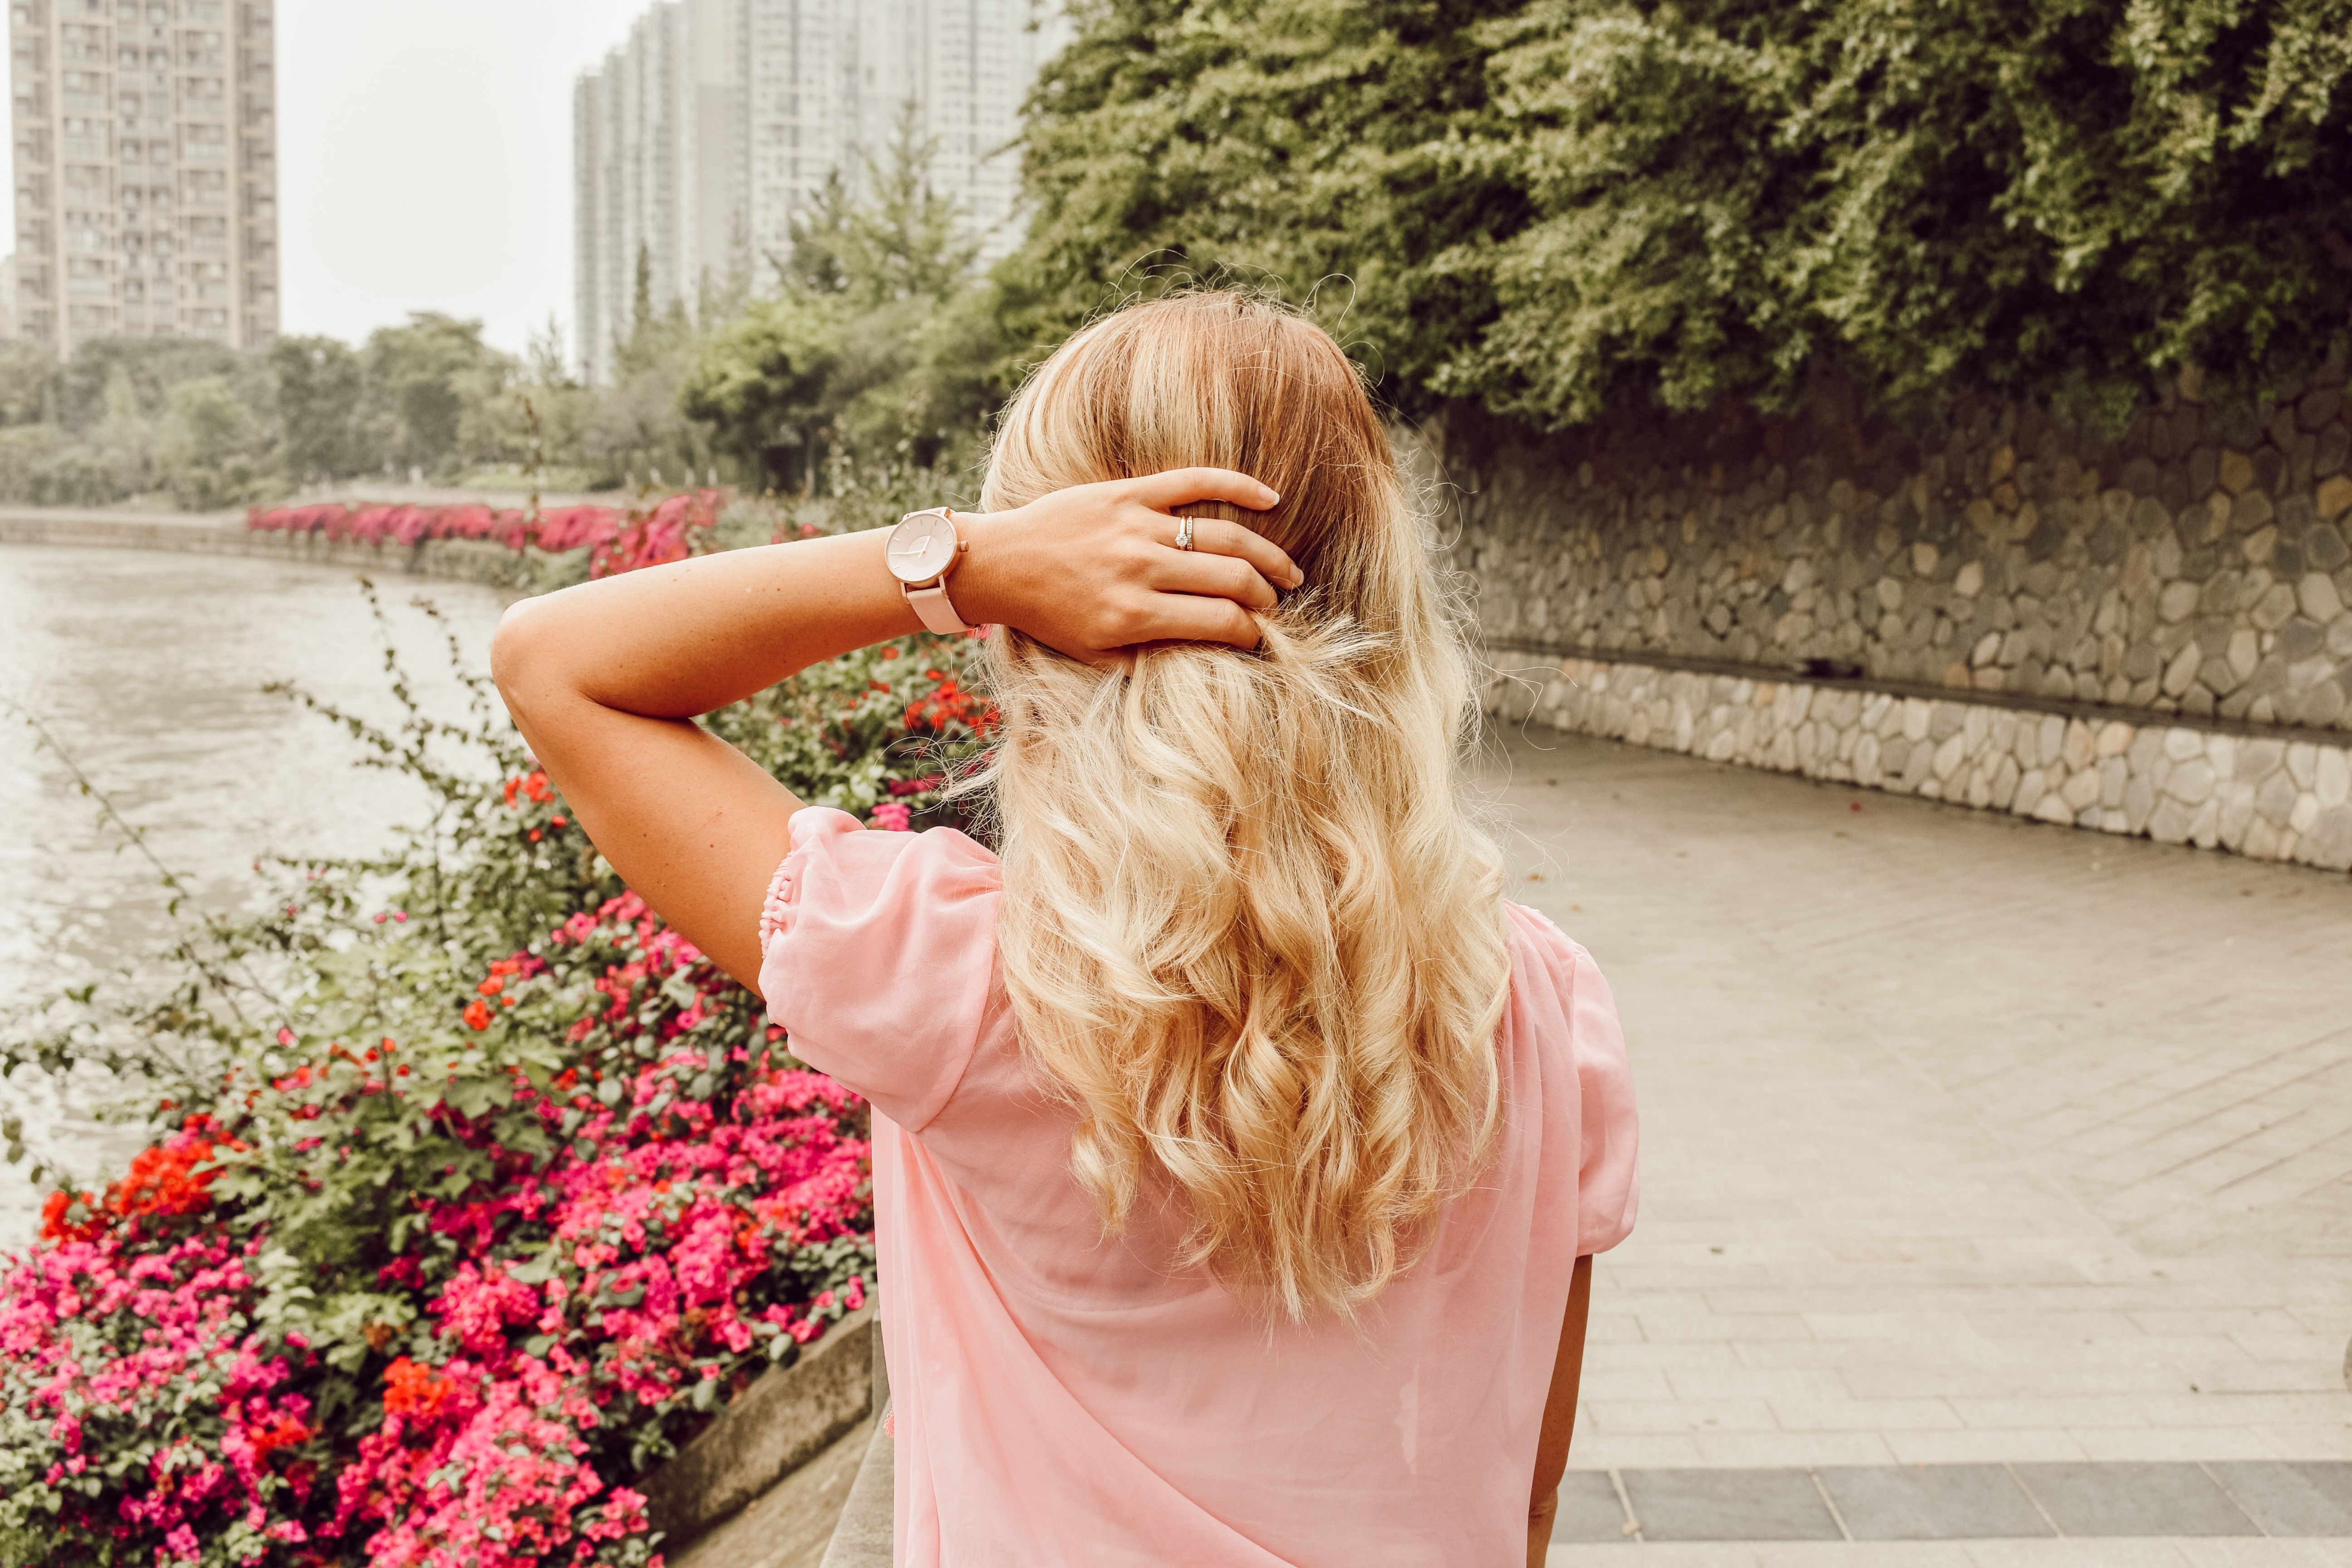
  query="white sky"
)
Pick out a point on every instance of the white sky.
point(424, 149)
point(424, 159)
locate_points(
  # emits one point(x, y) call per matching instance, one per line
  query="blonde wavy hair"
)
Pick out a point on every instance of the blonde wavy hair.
point(1249, 929)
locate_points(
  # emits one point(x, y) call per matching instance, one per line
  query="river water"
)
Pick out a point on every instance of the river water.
point(148, 668)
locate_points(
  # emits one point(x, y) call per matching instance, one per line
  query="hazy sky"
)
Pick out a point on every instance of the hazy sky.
point(425, 151)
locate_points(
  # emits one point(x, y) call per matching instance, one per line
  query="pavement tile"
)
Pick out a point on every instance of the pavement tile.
point(2292, 1499)
point(1983, 1447)
point(2157, 1500)
point(1741, 1505)
point(1931, 1502)
point(1589, 1509)
point(2188, 1445)
point(1797, 1448)
point(1954, 1149)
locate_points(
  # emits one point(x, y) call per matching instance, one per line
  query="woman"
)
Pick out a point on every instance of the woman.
point(1239, 1152)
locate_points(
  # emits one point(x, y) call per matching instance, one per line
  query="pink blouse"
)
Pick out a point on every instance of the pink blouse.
point(1061, 1397)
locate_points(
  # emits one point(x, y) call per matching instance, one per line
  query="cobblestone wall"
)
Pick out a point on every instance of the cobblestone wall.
point(2198, 564)
point(2266, 798)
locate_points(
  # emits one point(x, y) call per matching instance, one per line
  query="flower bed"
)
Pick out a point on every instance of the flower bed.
point(617, 539)
point(483, 1190)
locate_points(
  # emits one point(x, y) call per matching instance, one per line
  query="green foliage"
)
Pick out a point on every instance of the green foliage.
point(1557, 205)
point(29, 383)
point(880, 348)
point(319, 386)
point(213, 449)
point(1310, 147)
point(429, 385)
point(759, 382)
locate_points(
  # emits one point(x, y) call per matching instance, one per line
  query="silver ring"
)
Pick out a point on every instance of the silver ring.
point(1183, 533)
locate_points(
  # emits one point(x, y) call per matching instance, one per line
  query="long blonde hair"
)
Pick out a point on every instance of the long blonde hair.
point(1248, 929)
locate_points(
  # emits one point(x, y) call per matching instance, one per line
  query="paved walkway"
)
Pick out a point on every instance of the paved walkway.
point(1966, 1140)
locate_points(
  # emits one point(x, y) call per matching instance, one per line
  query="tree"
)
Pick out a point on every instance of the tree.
point(903, 241)
point(213, 446)
point(429, 388)
point(1557, 206)
point(759, 384)
point(155, 366)
point(320, 392)
point(1315, 149)
point(126, 438)
point(29, 383)
point(880, 346)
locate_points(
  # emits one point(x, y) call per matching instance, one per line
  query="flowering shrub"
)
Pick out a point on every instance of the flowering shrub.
point(485, 1190)
point(615, 539)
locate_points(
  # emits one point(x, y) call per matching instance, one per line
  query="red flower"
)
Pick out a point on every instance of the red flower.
point(478, 1013)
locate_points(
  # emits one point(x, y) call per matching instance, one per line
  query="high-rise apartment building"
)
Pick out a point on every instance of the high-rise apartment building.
point(146, 161)
point(698, 142)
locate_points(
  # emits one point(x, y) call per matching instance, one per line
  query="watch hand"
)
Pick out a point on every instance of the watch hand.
point(912, 549)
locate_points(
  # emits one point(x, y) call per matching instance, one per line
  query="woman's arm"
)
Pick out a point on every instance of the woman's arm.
point(1560, 1415)
point(604, 679)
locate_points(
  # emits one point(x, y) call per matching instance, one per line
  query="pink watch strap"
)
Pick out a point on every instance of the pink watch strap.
point(936, 609)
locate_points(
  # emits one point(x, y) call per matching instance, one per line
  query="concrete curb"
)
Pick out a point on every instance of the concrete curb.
point(783, 1420)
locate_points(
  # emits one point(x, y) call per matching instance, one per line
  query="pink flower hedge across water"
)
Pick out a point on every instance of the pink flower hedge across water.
point(617, 539)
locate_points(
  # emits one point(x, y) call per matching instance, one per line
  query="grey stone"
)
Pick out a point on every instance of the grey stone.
point(1589, 1509)
point(2149, 1499)
point(2313, 1498)
point(2298, 639)
point(2328, 842)
point(2324, 548)
point(2320, 705)
point(1931, 1502)
point(1729, 1505)
point(2139, 801)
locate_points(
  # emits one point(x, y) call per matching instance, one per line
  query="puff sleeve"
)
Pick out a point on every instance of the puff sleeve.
point(1577, 1004)
point(878, 957)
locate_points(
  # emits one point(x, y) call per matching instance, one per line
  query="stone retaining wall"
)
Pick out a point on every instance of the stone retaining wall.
point(455, 560)
point(2196, 565)
point(2268, 798)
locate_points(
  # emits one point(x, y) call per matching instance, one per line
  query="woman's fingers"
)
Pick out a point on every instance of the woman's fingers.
point(1182, 486)
point(1224, 576)
point(1215, 536)
point(1195, 617)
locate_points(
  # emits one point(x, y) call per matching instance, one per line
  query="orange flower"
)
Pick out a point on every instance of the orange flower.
point(478, 1013)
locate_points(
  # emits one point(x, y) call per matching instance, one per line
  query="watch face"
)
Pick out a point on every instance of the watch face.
point(921, 547)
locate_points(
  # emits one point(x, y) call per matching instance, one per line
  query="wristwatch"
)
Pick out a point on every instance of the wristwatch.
point(922, 550)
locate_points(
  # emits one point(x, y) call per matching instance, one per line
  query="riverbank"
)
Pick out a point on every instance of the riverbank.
point(149, 668)
point(225, 533)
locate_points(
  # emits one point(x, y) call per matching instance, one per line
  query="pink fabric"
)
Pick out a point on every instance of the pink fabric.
point(1064, 1397)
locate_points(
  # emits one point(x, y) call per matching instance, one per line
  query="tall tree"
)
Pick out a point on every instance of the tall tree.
point(428, 389)
point(321, 388)
point(1561, 205)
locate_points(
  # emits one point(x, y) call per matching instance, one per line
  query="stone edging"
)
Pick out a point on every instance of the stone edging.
point(2268, 798)
point(783, 1420)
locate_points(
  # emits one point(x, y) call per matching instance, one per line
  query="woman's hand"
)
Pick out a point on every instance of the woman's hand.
point(1095, 569)
point(605, 678)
